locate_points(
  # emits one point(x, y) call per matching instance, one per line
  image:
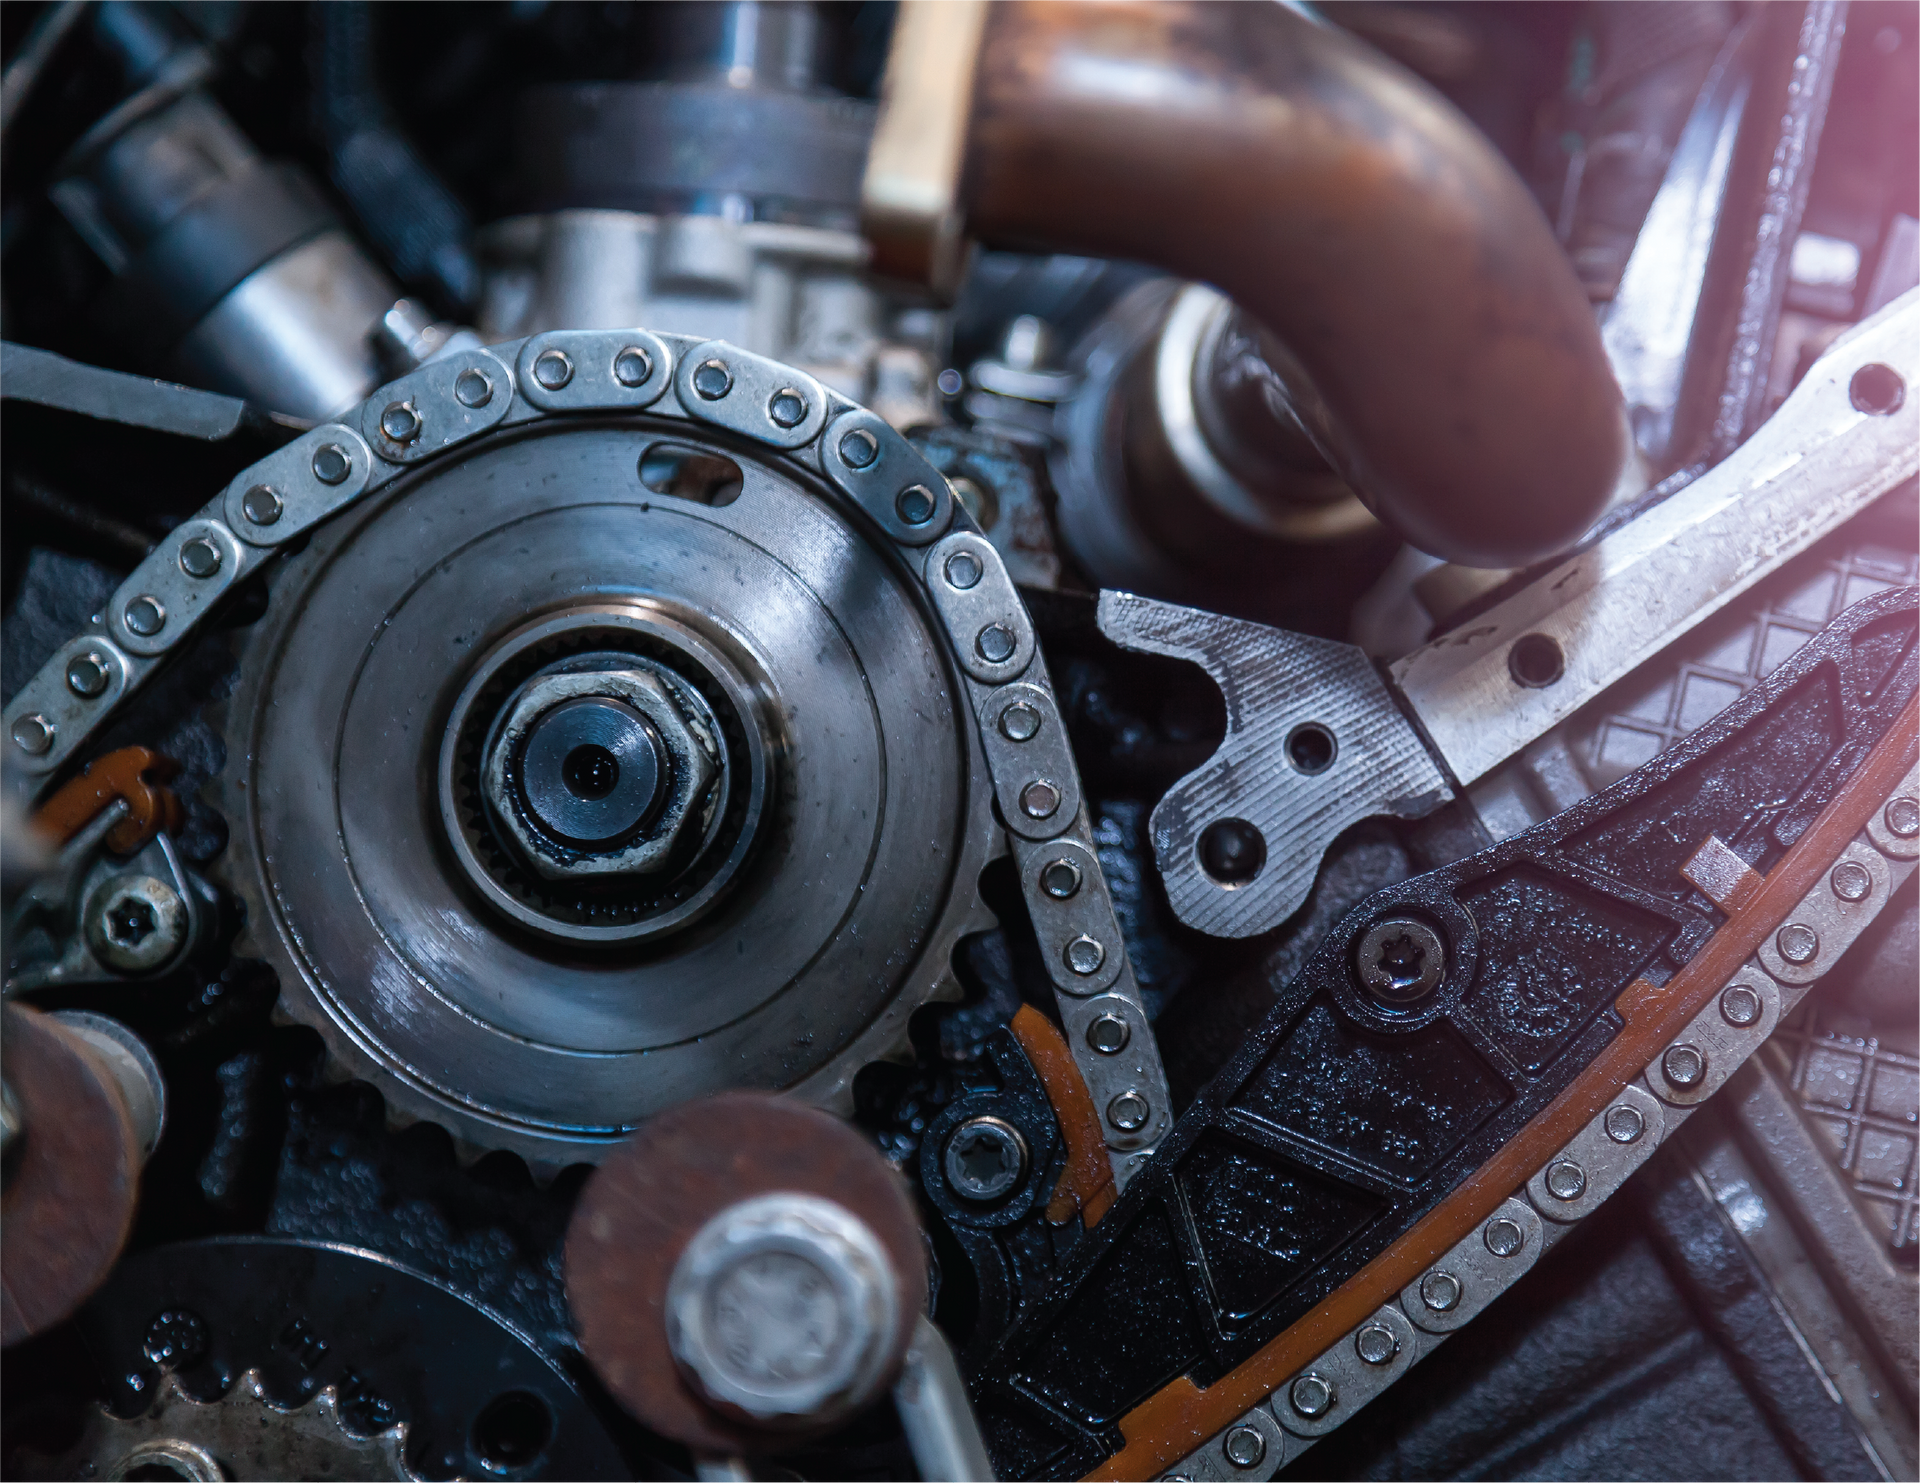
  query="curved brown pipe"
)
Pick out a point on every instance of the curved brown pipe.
point(1348, 206)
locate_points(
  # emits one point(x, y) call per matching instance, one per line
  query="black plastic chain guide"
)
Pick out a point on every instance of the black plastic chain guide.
point(1342, 1121)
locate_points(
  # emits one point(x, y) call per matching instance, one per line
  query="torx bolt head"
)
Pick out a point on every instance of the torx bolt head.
point(1902, 816)
point(787, 407)
point(1624, 1124)
point(996, 643)
point(1566, 1180)
point(553, 369)
point(1020, 722)
point(915, 506)
point(1400, 960)
point(859, 448)
point(135, 923)
point(632, 366)
point(1440, 1291)
point(963, 570)
point(472, 389)
point(145, 615)
point(1244, 1447)
point(199, 558)
point(1684, 1066)
point(1312, 1396)
point(88, 675)
point(262, 505)
point(1851, 881)
point(1376, 1344)
point(1740, 1006)
point(1060, 879)
point(1798, 943)
point(1129, 1112)
point(712, 380)
point(1504, 1237)
point(1109, 1034)
point(33, 734)
point(331, 464)
point(985, 1159)
point(1040, 799)
point(1085, 955)
point(400, 422)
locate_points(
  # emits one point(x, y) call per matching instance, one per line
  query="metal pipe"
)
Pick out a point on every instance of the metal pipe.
point(1397, 258)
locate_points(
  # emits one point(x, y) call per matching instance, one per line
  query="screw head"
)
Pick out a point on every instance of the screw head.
point(1400, 960)
point(1109, 1034)
point(1440, 1291)
point(1503, 1236)
point(1741, 1006)
point(400, 422)
point(1040, 799)
point(1798, 943)
point(1244, 1447)
point(135, 923)
point(553, 369)
point(145, 615)
point(1902, 816)
point(1129, 1112)
point(1376, 1344)
point(1312, 1395)
point(262, 504)
point(1684, 1066)
point(963, 570)
point(1060, 879)
point(787, 407)
point(199, 558)
point(859, 448)
point(1084, 955)
point(915, 506)
point(88, 675)
point(331, 464)
point(984, 1159)
point(1624, 1124)
point(1566, 1180)
point(473, 389)
point(33, 734)
point(1851, 881)
point(632, 366)
point(712, 380)
point(1231, 851)
point(1020, 722)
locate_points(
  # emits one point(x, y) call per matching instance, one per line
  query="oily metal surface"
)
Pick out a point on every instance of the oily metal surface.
point(834, 931)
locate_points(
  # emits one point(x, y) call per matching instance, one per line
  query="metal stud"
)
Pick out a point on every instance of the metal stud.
point(553, 369)
point(963, 570)
point(331, 465)
point(859, 448)
point(1129, 1112)
point(1684, 1066)
point(400, 422)
point(1440, 1291)
point(200, 558)
point(1060, 879)
point(632, 366)
point(1109, 1034)
point(915, 506)
point(262, 504)
point(1625, 1124)
point(1040, 799)
point(88, 675)
point(1504, 1237)
point(1851, 881)
point(1084, 955)
point(712, 380)
point(472, 389)
point(1798, 943)
point(996, 643)
point(1376, 1344)
point(1566, 1180)
point(1740, 1006)
point(1244, 1447)
point(1312, 1396)
point(1020, 722)
point(787, 407)
point(33, 734)
point(145, 615)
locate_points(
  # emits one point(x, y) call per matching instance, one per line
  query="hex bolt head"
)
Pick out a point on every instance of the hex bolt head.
point(400, 422)
point(473, 389)
point(985, 1159)
point(553, 369)
point(262, 504)
point(632, 366)
point(1902, 817)
point(33, 734)
point(88, 675)
point(145, 615)
point(1376, 1344)
point(1109, 1034)
point(859, 448)
point(1020, 722)
point(1060, 879)
point(1684, 1066)
point(963, 570)
point(331, 464)
point(1440, 1291)
point(1312, 1396)
point(1244, 1447)
point(787, 407)
point(1851, 881)
point(712, 380)
point(1624, 1124)
point(915, 506)
point(1566, 1180)
point(1231, 851)
point(135, 923)
point(1040, 799)
point(1740, 1006)
point(1129, 1112)
point(1798, 943)
point(1400, 960)
point(1504, 1237)
point(1084, 955)
point(199, 558)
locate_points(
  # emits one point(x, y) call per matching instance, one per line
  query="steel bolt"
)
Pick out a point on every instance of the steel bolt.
point(985, 1159)
point(859, 448)
point(963, 570)
point(400, 422)
point(1244, 1447)
point(1312, 1395)
point(1566, 1180)
point(33, 734)
point(472, 389)
point(1109, 1034)
point(787, 407)
point(632, 366)
point(1440, 1291)
point(88, 675)
point(1798, 943)
point(1624, 1124)
point(199, 558)
point(1376, 1344)
point(1504, 1237)
point(915, 506)
point(1684, 1066)
point(1039, 799)
point(262, 505)
point(553, 369)
point(145, 616)
point(1084, 955)
point(1020, 722)
point(1400, 960)
point(1740, 1006)
point(331, 464)
point(1060, 879)
point(1903, 817)
point(135, 923)
point(1129, 1112)
point(1851, 881)
point(712, 380)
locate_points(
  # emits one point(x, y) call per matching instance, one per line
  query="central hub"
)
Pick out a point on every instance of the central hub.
point(593, 771)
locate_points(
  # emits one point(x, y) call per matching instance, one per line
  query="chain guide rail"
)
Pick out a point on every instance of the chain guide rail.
point(1471, 1061)
point(463, 396)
